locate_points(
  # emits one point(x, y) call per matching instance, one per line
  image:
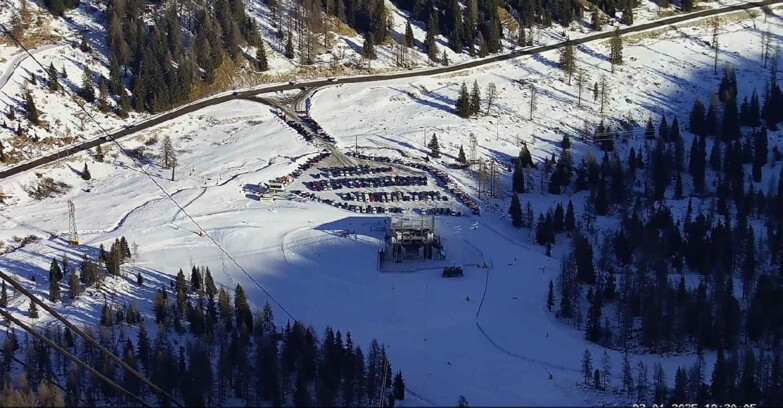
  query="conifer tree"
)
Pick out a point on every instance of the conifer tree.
point(568, 59)
point(463, 102)
point(429, 41)
point(461, 156)
point(74, 286)
point(32, 312)
point(30, 109)
point(55, 271)
point(88, 89)
point(399, 386)
point(475, 99)
point(444, 58)
point(550, 297)
point(627, 377)
point(570, 218)
point(616, 45)
point(596, 20)
point(54, 85)
point(434, 147)
point(4, 296)
point(289, 48)
point(515, 210)
point(409, 39)
point(587, 366)
point(86, 173)
point(261, 62)
point(54, 288)
point(368, 48)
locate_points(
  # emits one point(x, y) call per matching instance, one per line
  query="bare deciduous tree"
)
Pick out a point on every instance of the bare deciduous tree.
point(532, 100)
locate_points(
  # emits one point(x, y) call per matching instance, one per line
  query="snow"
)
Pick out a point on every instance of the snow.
point(503, 355)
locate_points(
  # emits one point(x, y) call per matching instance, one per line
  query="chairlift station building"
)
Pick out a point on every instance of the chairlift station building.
point(412, 237)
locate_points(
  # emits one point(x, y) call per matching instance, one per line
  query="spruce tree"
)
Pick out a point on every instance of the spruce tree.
point(30, 109)
point(461, 156)
point(616, 45)
point(261, 62)
point(368, 48)
point(475, 99)
point(86, 173)
point(434, 147)
point(74, 286)
point(399, 386)
point(4, 296)
point(550, 297)
point(32, 312)
point(515, 210)
point(54, 85)
point(568, 59)
point(55, 271)
point(289, 48)
point(463, 102)
point(409, 39)
point(587, 366)
point(429, 41)
point(88, 89)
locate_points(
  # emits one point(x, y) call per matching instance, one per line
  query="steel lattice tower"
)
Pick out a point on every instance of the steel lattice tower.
point(73, 236)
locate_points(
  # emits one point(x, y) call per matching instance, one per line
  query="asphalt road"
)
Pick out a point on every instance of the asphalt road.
point(366, 78)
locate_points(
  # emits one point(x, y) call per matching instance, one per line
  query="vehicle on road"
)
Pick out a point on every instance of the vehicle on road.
point(332, 79)
point(291, 83)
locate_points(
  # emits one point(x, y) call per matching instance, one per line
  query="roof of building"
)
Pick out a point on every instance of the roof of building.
point(421, 222)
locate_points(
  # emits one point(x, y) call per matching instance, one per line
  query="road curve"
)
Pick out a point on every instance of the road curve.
point(17, 60)
point(31, 164)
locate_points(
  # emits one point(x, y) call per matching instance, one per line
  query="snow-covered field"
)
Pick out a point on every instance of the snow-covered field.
point(503, 355)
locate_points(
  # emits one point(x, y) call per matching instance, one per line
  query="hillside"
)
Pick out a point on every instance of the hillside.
point(79, 40)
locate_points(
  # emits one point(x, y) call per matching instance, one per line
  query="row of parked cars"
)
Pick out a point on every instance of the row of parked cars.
point(346, 171)
point(319, 131)
point(309, 163)
point(371, 209)
point(366, 182)
point(443, 178)
point(393, 196)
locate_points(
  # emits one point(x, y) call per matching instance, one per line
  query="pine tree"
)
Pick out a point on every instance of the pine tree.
point(596, 20)
point(74, 286)
point(697, 118)
point(518, 178)
point(463, 102)
point(606, 372)
point(54, 85)
point(32, 312)
point(587, 366)
point(570, 218)
point(475, 99)
point(461, 156)
point(515, 210)
point(261, 62)
point(4, 296)
point(139, 280)
point(409, 39)
point(55, 271)
point(86, 173)
point(29, 108)
point(368, 48)
point(399, 386)
point(550, 297)
point(627, 374)
point(289, 48)
point(444, 58)
point(434, 147)
point(88, 89)
point(568, 59)
point(616, 45)
point(429, 41)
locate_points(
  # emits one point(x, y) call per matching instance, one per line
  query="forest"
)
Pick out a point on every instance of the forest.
point(209, 347)
point(663, 280)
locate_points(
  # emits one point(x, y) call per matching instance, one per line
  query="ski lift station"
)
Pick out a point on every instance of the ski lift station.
point(412, 237)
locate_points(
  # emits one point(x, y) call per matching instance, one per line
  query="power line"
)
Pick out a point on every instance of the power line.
point(140, 167)
point(45, 377)
point(89, 339)
point(70, 356)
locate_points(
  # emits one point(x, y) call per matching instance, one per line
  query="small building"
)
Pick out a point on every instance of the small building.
point(452, 272)
point(412, 237)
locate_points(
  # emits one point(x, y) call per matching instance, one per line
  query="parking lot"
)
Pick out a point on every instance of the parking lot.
point(373, 187)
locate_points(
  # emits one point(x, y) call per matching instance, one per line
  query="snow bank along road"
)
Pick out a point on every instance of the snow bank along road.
point(367, 78)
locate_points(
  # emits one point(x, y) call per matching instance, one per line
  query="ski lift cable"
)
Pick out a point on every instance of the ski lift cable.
point(152, 179)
